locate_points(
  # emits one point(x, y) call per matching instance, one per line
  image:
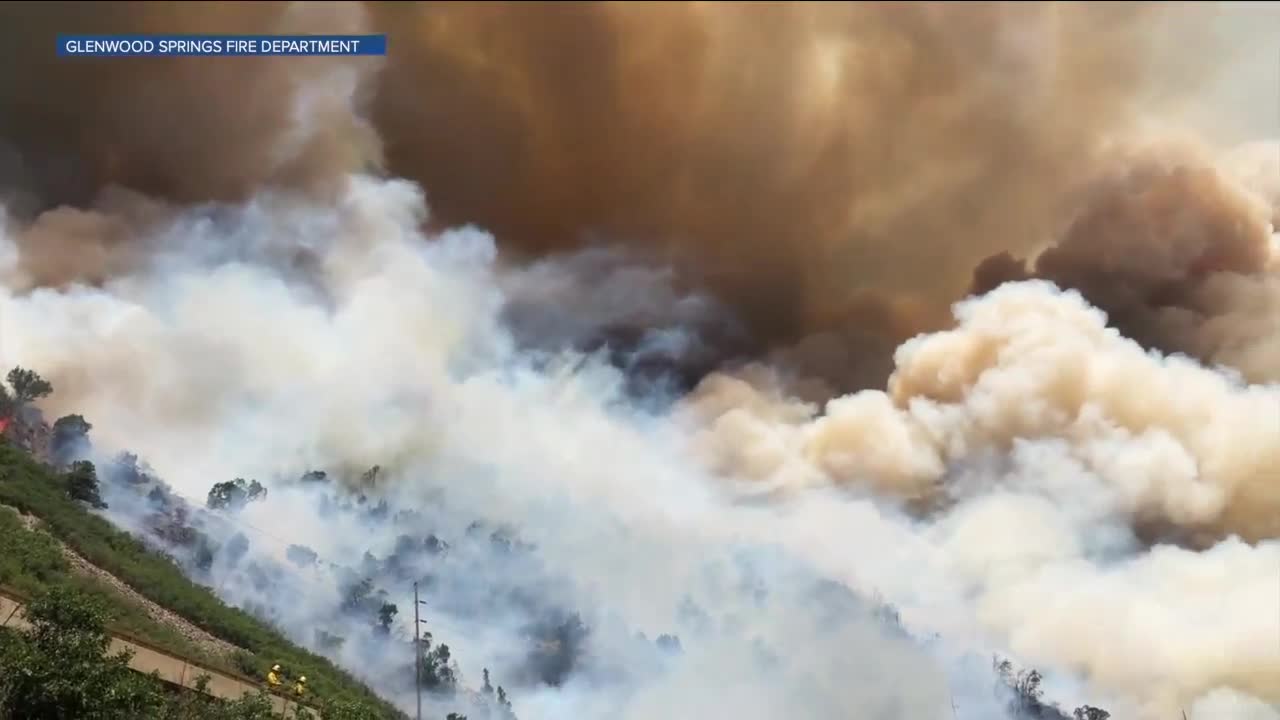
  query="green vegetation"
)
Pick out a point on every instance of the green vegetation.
point(82, 484)
point(70, 434)
point(35, 489)
point(31, 563)
point(1027, 698)
point(60, 667)
point(25, 386)
point(235, 494)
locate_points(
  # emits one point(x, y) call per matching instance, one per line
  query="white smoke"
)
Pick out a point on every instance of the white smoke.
point(1049, 435)
point(394, 354)
point(1030, 483)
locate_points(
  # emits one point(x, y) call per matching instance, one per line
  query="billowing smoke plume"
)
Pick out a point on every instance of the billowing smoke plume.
point(224, 279)
point(808, 161)
point(179, 128)
point(394, 353)
point(1179, 251)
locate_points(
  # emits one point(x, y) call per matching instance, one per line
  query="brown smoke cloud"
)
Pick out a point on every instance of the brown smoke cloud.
point(1027, 371)
point(184, 129)
point(797, 155)
point(1176, 246)
point(813, 163)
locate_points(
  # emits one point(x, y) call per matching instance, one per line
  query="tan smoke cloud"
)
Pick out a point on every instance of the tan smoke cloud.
point(835, 172)
point(1175, 243)
point(1030, 432)
point(1025, 364)
point(91, 245)
point(1031, 440)
point(796, 154)
point(814, 163)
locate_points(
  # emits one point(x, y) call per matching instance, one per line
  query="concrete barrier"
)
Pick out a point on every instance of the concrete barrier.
point(173, 669)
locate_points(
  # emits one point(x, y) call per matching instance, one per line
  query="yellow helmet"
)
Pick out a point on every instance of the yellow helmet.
point(302, 679)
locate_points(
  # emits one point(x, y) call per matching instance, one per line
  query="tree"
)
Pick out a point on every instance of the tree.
point(381, 511)
point(386, 614)
point(669, 643)
point(27, 386)
point(256, 490)
point(205, 551)
point(160, 499)
point(59, 667)
point(503, 703)
point(301, 555)
point(887, 615)
point(174, 527)
point(358, 595)
point(237, 547)
point(560, 640)
point(328, 641)
point(82, 483)
point(1027, 688)
point(235, 494)
point(70, 439)
point(1028, 696)
point(72, 425)
point(438, 672)
point(128, 468)
point(435, 545)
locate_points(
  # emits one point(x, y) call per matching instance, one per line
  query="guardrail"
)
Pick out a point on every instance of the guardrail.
point(173, 669)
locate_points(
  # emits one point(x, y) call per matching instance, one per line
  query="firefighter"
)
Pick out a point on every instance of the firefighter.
point(300, 687)
point(273, 677)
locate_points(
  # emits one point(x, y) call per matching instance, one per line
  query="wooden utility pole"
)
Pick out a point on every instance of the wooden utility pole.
point(417, 653)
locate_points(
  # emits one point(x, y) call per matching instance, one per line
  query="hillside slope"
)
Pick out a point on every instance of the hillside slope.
point(31, 561)
point(35, 560)
point(214, 648)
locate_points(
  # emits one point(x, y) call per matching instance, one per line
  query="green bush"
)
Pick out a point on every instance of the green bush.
point(29, 561)
point(59, 667)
